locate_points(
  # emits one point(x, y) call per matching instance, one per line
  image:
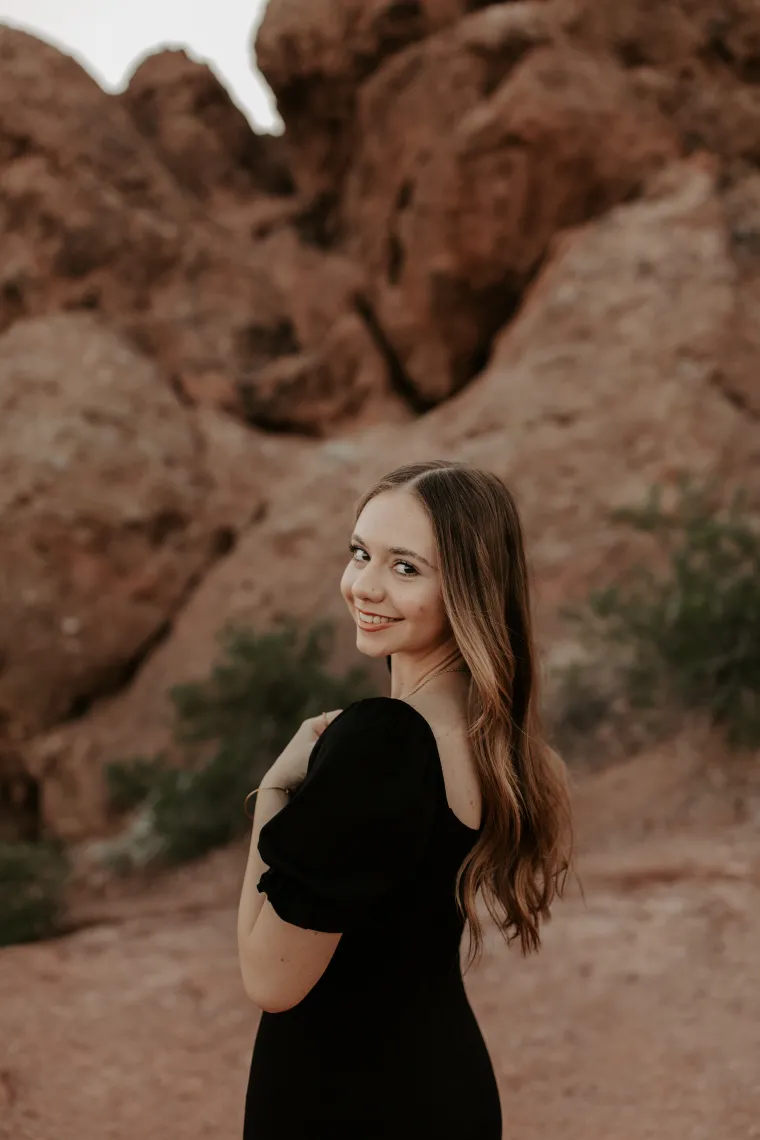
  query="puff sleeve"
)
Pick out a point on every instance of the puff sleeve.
point(359, 822)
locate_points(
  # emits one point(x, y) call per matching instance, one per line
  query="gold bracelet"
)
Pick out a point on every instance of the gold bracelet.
point(272, 787)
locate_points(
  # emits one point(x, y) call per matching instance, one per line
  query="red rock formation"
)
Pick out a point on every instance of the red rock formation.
point(97, 216)
point(698, 61)
point(105, 520)
point(516, 135)
point(603, 384)
point(444, 161)
point(314, 55)
point(92, 219)
point(204, 139)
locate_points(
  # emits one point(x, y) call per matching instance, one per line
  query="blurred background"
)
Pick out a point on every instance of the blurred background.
point(251, 258)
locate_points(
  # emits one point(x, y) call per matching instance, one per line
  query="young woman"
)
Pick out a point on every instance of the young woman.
point(377, 826)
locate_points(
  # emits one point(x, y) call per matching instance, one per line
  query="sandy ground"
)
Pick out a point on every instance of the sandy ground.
point(639, 1018)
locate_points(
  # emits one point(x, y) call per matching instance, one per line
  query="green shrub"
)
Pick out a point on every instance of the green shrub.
point(689, 633)
point(32, 884)
point(129, 782)
point(590, 716)
point(231, 727)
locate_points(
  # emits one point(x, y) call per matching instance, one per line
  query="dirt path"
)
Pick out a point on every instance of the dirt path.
point(640, 1018)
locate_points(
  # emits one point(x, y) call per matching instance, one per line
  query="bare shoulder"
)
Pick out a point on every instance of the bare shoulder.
point(448, 722)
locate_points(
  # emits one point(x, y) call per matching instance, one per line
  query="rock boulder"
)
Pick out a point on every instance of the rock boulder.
point(475, 147)
point(105, 520)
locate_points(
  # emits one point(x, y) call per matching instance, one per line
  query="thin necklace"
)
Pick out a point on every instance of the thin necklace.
point(430, 678)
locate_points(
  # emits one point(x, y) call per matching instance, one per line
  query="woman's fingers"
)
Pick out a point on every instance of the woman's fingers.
point(321, 721)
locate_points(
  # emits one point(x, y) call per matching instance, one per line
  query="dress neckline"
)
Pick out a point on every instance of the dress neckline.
point(439, 766)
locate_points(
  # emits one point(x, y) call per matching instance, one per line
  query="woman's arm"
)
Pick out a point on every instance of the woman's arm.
point(288, 771)
point(269, 800)
point(279, 962)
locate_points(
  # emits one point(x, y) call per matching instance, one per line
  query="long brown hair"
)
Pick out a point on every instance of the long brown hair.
point(522, 857)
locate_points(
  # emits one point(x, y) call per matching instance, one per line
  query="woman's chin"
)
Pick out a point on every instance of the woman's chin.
point(372, 644)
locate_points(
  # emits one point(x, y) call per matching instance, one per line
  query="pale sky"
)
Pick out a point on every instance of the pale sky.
point(110, 36)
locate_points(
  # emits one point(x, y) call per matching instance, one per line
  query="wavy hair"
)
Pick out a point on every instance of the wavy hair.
point(522, 857)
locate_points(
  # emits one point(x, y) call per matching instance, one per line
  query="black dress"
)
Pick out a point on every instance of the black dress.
point(385, 1046)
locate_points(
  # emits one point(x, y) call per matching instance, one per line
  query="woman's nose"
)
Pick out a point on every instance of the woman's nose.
point(365, 575)
point(366, 595)
point(365, 588)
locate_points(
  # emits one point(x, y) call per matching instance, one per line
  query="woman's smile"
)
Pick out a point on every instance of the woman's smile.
point(371, 622)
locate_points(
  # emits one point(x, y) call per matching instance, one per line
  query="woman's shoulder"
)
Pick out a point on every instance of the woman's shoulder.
point(377, 733)
point(361, 818)
point(391, 718)
point(381, 708)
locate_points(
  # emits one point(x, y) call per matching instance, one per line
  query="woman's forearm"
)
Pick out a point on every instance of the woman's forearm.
point(268, 800)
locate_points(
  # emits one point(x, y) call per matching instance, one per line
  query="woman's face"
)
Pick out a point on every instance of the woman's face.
point(393, 571)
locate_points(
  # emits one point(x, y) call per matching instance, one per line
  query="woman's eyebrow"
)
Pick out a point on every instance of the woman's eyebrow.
point(395, 550)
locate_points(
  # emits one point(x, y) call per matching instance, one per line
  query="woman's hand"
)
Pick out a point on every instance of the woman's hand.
point(289, 769)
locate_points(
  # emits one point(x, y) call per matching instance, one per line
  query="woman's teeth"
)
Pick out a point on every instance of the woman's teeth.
point(373, 620)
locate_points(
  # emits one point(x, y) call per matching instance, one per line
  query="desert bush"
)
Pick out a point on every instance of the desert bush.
point(687, 633)
point(591, 717)
point(32, 885)
point(130, 782)
point(231, 727)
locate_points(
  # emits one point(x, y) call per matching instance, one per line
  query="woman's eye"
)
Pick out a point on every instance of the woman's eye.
point(358, 549)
